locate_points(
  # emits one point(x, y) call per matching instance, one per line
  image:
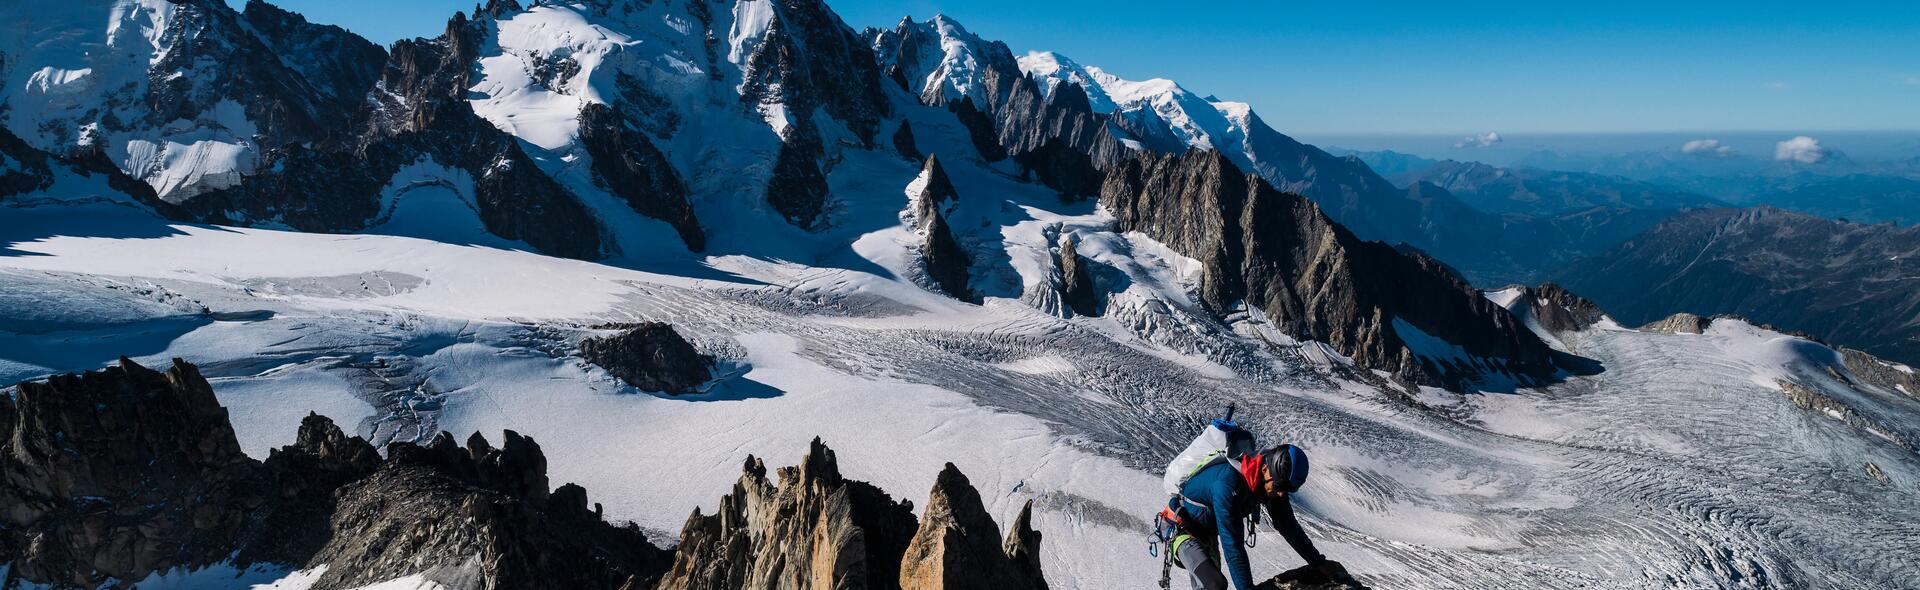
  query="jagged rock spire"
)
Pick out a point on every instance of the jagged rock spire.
point(1075, 280)
point(946, 263)
point(814, 529)
point(1023, 547)
point(958, 546)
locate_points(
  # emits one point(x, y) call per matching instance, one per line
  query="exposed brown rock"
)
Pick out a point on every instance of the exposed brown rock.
point(1023, 547)
point(1679, 323)
point(1866, 367)
point(814, 529)
point(958, 546)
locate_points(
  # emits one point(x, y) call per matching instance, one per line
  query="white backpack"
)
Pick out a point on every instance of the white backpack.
point(1212, 445)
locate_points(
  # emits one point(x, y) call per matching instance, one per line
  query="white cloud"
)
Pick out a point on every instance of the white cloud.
point(1479, 141)
point(1913, 80)
point(1778, 86)
point(1801, 149)
point(1707, 147)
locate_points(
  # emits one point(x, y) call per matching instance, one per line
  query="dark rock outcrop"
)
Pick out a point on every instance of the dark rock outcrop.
point(1560, 310)
point(809, 60)
point(798, 189)
point(939, 191)
point(814, 529)
point(304, 478)
point(479, 517)
point(339, 66)
point(1556, 309)
point(958, 546)
point(417, 112)
point(946, 262)
point(1062, 168)
point(980, 129)
point(114, 475)
point(217, 54)
point(650, 356)
point(1315, 279)
point(1075, 280)
point(627, 164)
point(903, 142)
point(29, 170)
point(1307, 578)
point(1023, 548)
point(119, 473)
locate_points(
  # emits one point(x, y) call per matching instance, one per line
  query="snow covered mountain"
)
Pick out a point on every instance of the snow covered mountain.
point(906, 242)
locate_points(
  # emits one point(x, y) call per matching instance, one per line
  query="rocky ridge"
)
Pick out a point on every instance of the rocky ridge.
point(1556, 309)
point(118, 474)
point(1315, 279)
point(816, 529)
point(115, 475)
point(942, 257)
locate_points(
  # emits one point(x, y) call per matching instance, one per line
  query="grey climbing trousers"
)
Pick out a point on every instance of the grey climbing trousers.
point(1206, 574)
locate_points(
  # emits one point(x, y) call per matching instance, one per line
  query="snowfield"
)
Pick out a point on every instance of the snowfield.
point(1681, 465)
point(1684, 464)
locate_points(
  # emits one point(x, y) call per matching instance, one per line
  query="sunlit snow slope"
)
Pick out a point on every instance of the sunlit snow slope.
point(1684, 463)
point(1680, 465)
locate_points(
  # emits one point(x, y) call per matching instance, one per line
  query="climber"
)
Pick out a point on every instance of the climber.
point(1219, 496)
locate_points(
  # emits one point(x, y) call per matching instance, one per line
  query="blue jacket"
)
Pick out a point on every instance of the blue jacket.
point(1216, 500)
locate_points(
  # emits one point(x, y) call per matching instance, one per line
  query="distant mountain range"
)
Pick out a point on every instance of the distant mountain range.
point(1851, 284)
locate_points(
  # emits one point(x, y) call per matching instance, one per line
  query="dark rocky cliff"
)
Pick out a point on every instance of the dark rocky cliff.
point(1315, 279)
point(113, 475)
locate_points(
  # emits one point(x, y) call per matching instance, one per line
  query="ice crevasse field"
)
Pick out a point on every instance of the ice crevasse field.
point(1682, 464)
point(1656, 470)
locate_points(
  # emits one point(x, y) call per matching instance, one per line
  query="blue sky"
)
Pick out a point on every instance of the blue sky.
point(1426, 67)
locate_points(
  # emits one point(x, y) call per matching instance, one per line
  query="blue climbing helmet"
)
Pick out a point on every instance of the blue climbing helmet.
point(1286, 464)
